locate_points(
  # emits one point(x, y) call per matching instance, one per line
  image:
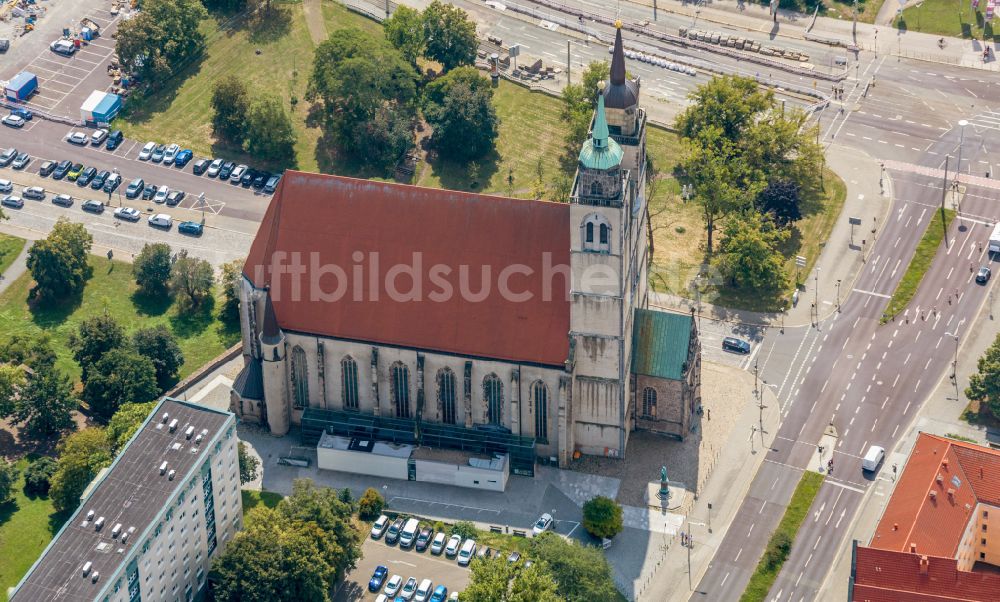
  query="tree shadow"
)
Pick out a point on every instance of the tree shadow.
point(966, 30)
point(270, 25)
point(58, 519)
point(228, 331)
point(188, 321)
point(151, 304)
point(454, 173)
point(49, 313)
point(7, 510)
point(333, 159)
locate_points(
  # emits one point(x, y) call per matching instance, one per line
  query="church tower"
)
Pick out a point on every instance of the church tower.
point(608, 258)
point(272, 355)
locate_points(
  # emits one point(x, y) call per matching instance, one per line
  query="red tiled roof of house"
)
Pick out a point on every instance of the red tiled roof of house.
point(342, 220)
point(891, 576)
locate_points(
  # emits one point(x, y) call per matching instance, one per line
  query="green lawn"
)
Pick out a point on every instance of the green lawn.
point(920, 263)
point(182, 113)
point(27, 524)
point(867, 10)
point(949, 18)
point(10, 248)
point(252, 498)
point(795, 513)
point(200, 334)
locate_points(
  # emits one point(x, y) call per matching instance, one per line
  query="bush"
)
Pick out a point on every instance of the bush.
point(465, 529)
point(8, 476)
point(38, 476)
point(370, 505)
point(602, 517)
point(249, 465)
point(777, 550)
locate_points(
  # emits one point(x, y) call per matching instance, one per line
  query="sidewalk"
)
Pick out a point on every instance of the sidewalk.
point(16, 269)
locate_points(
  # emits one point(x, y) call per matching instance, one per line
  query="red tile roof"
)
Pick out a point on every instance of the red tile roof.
point(890, 576)
point(343, 219)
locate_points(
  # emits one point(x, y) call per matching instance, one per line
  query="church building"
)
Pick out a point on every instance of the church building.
point(374, 303)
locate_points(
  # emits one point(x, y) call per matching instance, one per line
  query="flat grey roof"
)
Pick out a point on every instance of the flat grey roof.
point(132, 493)
point(364, 446)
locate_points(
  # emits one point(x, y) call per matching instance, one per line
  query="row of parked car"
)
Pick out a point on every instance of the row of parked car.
point(396, 590)
point(173, 154)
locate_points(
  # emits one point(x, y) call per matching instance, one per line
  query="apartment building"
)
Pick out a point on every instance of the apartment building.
point(149, 526)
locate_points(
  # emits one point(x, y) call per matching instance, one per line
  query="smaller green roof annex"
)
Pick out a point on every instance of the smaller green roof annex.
point(660, 342)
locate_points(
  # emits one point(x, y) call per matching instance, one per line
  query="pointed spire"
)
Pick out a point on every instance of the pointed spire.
point(618, 60)
point(600, 133)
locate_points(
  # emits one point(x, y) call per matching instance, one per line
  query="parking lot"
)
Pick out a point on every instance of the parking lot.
point(406, 564)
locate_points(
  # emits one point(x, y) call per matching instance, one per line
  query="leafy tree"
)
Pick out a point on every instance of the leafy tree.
point(464, 528)
point(159, 345)
point(984, 385)
point(460, 109)
point(345, 496)
point(232, 275)
point(126, 422)
point(496, 580)
point(58, 262)
point(249, 464)
point(44, 406)
point(122, 376)
point(581, 572)
point(38, 476)
point(777, 549)
point(231, 106)
point(34, 351)
point(781, 200)
point(370, 505)
point(191, 279)
point(161, 40)
point(602, 517)
point(449, 35)
point(12, 381)
point(94, 338)
point(273, 136)
point(405, 31)
point(340, 541)
point(81, 456)
point(151, 268)
point(8, 477)
point(750, 255)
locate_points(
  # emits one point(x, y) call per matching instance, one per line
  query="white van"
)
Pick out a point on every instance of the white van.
point(873, 458)
point(424, 591)
point(409, 533)
point(467, 552)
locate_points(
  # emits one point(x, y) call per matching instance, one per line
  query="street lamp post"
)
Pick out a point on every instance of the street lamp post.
point(838, 295)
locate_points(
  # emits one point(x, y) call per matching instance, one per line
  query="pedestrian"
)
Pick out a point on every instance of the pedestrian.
point(709, 411)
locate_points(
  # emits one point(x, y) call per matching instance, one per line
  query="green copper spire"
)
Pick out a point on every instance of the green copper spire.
point(601, 151)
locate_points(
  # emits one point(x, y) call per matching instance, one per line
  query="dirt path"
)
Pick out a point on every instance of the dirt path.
point(314, 19)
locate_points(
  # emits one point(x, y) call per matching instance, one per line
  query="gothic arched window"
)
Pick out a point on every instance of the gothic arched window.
point(446, 395)
point(596, 189)
point(493, 395)
point(602, 242)
point(541, 394)
point(300, 378)
point(649, 402)
point(399, 374)
point(349, 383)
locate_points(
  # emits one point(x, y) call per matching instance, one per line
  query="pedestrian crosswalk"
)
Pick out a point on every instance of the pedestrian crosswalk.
point(939, 173)
point(988, 120)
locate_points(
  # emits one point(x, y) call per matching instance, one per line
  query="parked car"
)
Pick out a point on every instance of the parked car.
point(161, 220)
point(272, 184)
point(174, 197)
point(543, 524)
point(115, 139)
point(24, 114)
point(379, 526)
point(423, 591)
point(161, 194)
point(12, 201)
point(983, 275)
point(409, 533)
point(99, 137)
point(157, 154)
point(467, 552)
point(378, 577)
point(47, 168)
point(514, 557)
point(63, 47)
point(135, 188)
point(440, 594)
point(128, 214)
point(61, 170)
point(248, 177)
point(237, 173)
point(200, 166)
point(13, 121)
point(6, 186)
point(214, 167)
point(485, 552)
point(149, 191)
point(86, 176)
point(112, 182)
point(437, 545)
point(147, 151)
point(454, 543)
point(392, 585)
point(99, 179)
point(170, 154)
point(8, 156)
point(424, 539)
point(63, 200)
point(392, 536)
point(192, 228)
point(74, 172)
point(226, 170)
point(80, 138)
point(734, 345)
point(21, 161)
point(93, 206)
point(260, 179)
point(409, 588)
point(183, 157)
point(34, 192)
